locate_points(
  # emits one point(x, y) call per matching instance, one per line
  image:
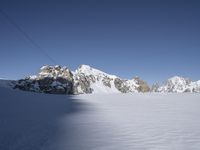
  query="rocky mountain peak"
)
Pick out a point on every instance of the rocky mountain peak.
point(54, 72)
point(88, 70)
point(84, 67)
point(178, 80)
point(142, 85)
point(85, 79)
point(178, 84)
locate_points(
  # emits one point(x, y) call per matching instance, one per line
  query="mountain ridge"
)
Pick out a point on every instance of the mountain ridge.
point(177, 84)
point(86, 79)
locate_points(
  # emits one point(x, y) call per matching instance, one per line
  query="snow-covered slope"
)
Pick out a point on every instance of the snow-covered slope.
point(101, 82)
point(150, 121)
point(98, 81)
point(87, 70)
point(195, 86)
point(85, 79)
point(29, 121)
point(178, 84)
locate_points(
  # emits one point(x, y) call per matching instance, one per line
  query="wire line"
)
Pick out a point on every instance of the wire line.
point(27, 36)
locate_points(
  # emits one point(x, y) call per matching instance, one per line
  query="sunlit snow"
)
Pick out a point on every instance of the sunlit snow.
point(152, 121)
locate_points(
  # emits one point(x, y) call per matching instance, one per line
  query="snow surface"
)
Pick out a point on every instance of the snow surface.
point(87, 70)
point(99, 87)
point(151, 121)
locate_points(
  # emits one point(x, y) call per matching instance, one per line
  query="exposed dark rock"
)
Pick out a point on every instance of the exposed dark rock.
point(155, 87)
point(121, 86)
point(53, 80)
point(83, 82)
point(187, 90)
point(60, 80)
point(143, 86)
point(106, 81)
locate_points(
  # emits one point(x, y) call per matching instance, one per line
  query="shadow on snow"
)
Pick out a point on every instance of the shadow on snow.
point(29, 120)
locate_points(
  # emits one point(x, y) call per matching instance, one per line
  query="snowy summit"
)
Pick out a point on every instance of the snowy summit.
point(85, 79)
point(178, 84)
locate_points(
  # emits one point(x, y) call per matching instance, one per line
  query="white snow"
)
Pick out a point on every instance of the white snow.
point(195, 85)
point(33, 77)
point(178, 84)
point(87, 70)
point(44, 67)
point(132, 84)
point(99, 87)
point(151, 121)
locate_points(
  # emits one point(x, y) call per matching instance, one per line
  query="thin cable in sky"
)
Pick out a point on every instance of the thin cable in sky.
point(27, 36)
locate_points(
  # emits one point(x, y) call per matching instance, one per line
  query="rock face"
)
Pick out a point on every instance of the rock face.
point(53, 80)
point(178, 84)
point(85, 79)
point(143, 86)
point(154, 87)
point(90, 80)
point(93, 81)
point(82, 84)
point(121, 85)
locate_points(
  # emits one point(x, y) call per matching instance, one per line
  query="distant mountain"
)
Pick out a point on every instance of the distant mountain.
point(178, 84)
point(85, 79)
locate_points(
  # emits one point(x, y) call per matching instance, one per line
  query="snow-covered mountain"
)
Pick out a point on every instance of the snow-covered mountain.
point(90, 80)
point(178, 84)
point(85, 79)
point(50, 79)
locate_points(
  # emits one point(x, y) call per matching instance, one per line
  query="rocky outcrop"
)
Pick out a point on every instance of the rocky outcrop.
point(155, 87)
point(53, 80)
point(82, 84)
point(60, 80)
point(85, 79)
point(107, 81)
point(121, 85)
point(102, 82)
point(143, 86)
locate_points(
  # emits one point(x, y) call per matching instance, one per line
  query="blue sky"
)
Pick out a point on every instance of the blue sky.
point(151, 39)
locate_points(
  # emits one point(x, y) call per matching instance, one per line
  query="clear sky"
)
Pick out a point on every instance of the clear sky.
point(151, 39)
